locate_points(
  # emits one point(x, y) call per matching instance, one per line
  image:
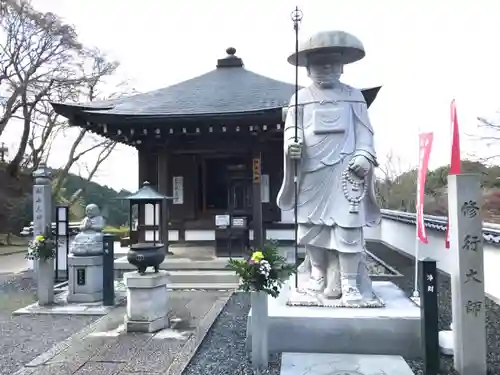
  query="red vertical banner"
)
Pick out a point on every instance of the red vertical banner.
point(455, 164)
point(425, 147)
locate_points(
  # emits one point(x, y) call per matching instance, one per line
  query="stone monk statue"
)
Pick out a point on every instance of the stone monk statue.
point(90, 239)
point(336, 159)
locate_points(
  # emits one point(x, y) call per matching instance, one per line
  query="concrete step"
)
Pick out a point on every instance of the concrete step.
point(203, 286)
point(179, 264)
point(202, 277)
point(176, 264)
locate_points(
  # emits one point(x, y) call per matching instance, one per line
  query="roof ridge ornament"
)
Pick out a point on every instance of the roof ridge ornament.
point(231, 60)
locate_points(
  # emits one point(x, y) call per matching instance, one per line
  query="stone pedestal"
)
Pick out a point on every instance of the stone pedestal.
point(390, 330)
point(85, 278)
point(260, 353)
point(146, 301)
point(45, 281)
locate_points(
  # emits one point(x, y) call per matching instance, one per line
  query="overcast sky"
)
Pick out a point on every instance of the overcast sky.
point(423, 53)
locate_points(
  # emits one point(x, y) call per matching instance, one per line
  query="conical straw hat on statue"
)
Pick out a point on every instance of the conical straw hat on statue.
point(344, 47)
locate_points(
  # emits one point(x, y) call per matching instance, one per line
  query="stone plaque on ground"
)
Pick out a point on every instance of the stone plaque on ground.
point(343, 364)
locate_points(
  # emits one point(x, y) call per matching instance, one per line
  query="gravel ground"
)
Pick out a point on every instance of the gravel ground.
point(22, 338)
point(223, 349)
point(405, 266)
point(222, 352)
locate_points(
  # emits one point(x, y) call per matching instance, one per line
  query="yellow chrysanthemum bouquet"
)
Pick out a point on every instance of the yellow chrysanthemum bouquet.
point(42, 247)
point(265, 270)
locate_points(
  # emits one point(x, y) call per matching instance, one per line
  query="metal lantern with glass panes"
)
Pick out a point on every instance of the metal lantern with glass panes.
point(146, 248)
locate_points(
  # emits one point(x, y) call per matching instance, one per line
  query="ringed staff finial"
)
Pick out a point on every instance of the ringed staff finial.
point(296, 18)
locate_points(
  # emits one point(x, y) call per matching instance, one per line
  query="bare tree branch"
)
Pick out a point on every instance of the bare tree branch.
point(101, 158)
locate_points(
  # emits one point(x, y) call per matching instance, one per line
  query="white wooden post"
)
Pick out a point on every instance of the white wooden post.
point(466, 240)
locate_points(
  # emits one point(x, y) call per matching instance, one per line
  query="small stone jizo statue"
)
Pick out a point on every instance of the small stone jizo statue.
point(336, 160)
point(90, 239)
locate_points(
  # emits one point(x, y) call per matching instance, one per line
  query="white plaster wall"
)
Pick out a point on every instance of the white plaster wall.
point(209, 235)
point(149, 215)
point(152, 235)
point(173, 235)
point(199, 235)
point(372, 233)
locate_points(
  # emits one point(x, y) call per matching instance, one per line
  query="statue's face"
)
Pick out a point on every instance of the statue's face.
point(92, 210)
point(324, 69)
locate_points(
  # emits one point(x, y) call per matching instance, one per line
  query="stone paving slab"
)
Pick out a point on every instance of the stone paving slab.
point(62, 307)
point(105, 348)
point(355, 364)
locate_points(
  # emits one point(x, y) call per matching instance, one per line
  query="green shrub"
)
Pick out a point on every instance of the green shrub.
point(120, 232)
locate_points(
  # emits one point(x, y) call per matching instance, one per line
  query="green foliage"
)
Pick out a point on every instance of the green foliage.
point(265, 270)
point(116, 211)
point(120, 232)
point(16, 206)
point(400, 193)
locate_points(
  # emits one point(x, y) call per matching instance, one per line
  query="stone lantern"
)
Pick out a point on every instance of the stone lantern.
point(146, 248)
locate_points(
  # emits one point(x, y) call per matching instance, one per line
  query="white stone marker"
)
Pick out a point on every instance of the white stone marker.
point(466, 240)
point(147, 300)
point(42, 219)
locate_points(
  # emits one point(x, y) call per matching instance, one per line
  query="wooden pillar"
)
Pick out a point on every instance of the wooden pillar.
point(258, 233)
point(143, 176)
point(163, 179)
point(429, 316)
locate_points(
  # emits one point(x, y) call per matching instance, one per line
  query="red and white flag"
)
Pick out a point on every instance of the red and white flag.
point(425, 146)
point(455, 167)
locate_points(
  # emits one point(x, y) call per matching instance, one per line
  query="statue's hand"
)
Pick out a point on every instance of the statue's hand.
point(295, 150)
point(360, 166)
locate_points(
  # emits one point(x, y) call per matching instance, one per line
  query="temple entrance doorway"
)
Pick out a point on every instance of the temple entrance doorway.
point(225, 185)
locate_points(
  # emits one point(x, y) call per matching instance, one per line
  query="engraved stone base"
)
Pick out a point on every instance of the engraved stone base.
point(147, 300)
point(391, 330)
point(85, 278)
point(146, 327)
point(307, 298)
point(304, 297)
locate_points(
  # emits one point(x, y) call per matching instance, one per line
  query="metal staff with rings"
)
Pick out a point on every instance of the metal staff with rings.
point(296, 18)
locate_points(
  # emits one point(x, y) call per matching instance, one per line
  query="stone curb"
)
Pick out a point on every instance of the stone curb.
point(12, 252)
point(191, 346)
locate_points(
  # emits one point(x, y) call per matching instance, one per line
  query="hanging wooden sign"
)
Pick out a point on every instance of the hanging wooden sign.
point(256, 170)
